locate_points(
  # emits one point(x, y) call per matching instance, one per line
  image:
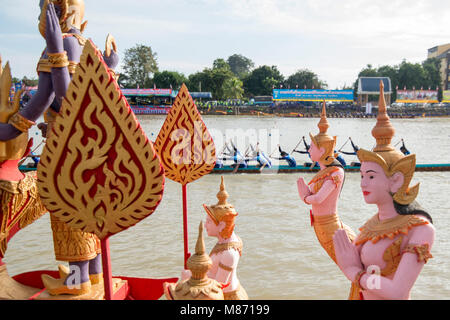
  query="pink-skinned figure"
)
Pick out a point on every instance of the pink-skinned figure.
point(385, 259)
point(61, 24)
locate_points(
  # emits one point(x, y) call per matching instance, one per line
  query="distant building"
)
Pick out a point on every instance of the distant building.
point(442, 52)
point(371, 86)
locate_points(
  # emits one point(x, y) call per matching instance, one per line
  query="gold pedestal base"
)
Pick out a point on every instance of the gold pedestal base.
point(97, 292)
point(13, 290)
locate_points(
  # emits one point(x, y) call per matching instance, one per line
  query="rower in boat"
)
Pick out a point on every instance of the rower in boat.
point(403, 149)
point(286, 156)
point(259, 155)
point(355, 150)
point(236, 156)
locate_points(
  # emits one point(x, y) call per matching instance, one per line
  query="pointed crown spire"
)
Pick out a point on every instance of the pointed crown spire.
point(383, 132)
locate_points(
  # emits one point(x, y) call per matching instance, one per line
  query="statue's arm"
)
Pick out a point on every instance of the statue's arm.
point(408, 270)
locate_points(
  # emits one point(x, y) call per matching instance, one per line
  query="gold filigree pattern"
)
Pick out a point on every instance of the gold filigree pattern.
point(320, 177)
point(234, 245)
point(392, 256)
point(422, 251)
point(98, 171)
point(184, 144)
point(375, 230)
point(20, 206)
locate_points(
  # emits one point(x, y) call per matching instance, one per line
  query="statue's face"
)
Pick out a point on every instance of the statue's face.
point(212, 229)
point(315, 152)
point(375, 185)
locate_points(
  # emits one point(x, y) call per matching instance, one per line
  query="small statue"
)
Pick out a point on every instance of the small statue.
point(20, 204)
point(226, 253)
point(323, 191)
point(199, 286)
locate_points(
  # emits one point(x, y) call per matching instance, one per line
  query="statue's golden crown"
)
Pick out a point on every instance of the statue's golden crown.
point(388, 157)
point(323, 139)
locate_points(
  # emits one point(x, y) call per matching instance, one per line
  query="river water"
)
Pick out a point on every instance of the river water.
point(282, 258)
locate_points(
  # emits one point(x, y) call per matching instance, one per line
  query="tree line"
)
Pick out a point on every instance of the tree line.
point(237, 77)
point(233, 78)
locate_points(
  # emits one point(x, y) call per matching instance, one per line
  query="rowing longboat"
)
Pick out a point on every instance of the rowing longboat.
point(307, 168)
point(301, 168)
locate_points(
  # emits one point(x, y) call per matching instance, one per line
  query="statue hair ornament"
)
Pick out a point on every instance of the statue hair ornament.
point(324, 140)
point(222, 211)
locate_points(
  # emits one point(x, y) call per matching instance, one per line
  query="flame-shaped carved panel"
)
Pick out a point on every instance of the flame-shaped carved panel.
point(184, 144)
point(98, 171)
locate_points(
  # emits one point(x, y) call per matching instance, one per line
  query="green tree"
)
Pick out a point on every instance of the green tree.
point(139, 65)
point(411, 75)
point(261, 81)
point(304, 78)
point(240, 65)
point(167, 79)
point(232, 88)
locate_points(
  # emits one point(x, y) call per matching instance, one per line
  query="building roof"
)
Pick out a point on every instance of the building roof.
point(371, 85)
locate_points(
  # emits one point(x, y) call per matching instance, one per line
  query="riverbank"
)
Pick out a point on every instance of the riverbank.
point(332, 112)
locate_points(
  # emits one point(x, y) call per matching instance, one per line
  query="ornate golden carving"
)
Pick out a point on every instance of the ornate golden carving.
point(392, 256)
point(375, 230)
point(220, 247)
point(98, 171)
point(222, 211)
point(325, 227)
point(58, 60)
point(422, 251)
point(43, 16)
point(321, 176)
point(20, 206)
point(184, 144)
point(323, 139)
point(20, 122)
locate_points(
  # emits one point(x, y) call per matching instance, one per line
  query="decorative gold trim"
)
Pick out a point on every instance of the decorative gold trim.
point(58, 60)
point(108, 205)
point(220, 247)
point(325, 227)
point(375, 230)
point(20, 122)
point(392, 256)
point(422, 251)
point(320, 177)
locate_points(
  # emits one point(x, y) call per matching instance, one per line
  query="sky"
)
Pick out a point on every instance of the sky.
point(333, 38)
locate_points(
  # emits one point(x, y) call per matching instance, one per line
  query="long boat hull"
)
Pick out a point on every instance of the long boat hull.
point(302, 168)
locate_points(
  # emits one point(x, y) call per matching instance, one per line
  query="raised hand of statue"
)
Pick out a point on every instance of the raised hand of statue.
point(303, 189)
point(110, 54)
point(53, 34)
point(347, 255)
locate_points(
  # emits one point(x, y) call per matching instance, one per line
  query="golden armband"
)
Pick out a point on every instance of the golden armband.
point(422, 251)
point(20, 122)
point(58, 60)
point(325, 227)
